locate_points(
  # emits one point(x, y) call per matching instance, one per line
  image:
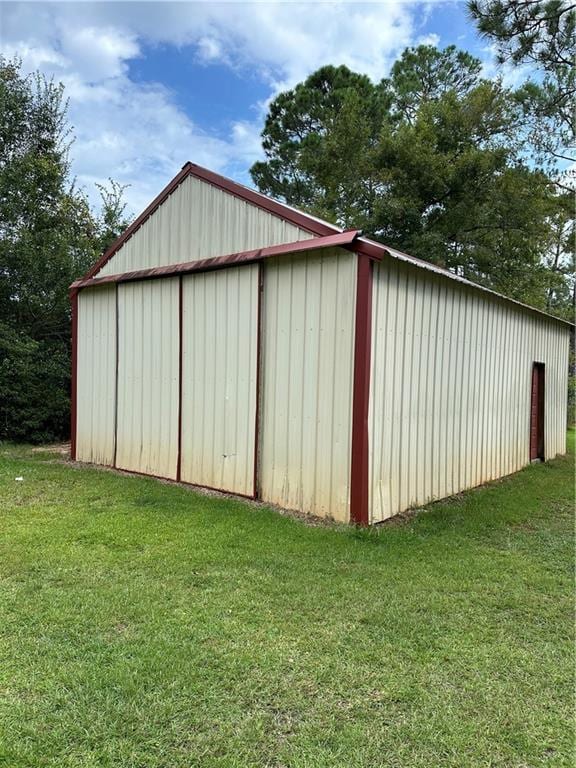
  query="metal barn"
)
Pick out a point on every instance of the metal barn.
point(229, 341)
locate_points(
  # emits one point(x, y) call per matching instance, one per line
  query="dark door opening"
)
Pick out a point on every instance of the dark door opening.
point(537, 413)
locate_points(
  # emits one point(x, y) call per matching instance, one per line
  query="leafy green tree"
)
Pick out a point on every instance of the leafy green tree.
point(48, 237)
point(320, 140)
point(34, 386)
point(429, 160)
point(540, 31)
point(438, 169)
point(425, 74)
point(560, 258)
point(112, 219)
point(542, 34)
point(457, 196)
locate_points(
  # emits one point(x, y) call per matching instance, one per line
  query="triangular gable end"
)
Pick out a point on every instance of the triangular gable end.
point(200, 215)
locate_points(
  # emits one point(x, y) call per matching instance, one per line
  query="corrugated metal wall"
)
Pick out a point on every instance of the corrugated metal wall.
point(450, 387)
point(219, 368)
point(450, 384)
point(200, 221)
point(148, 377)
point(96, 375)
point(307, 366)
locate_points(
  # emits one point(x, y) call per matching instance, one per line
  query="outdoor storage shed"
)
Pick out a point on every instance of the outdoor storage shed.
point(229, 341)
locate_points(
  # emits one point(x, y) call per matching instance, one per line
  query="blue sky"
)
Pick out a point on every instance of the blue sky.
point(152, 85)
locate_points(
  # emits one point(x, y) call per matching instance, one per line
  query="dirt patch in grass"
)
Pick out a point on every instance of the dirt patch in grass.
point(60, 448)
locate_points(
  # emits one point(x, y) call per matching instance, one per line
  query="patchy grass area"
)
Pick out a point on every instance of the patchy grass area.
point(146, 626)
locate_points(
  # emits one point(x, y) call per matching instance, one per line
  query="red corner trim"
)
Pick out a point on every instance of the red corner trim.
point(359, 476)
point(341, 239)
point(256, 489)
point(116, 369)
point(74, 387)
point(180, 377)
point(299, 219)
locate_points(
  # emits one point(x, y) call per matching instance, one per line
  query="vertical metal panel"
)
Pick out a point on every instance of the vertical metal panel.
point(199, 221)
point(148, 374)
point(307, 369)
point(96, 375)
point(450, 389)
point(219, 348)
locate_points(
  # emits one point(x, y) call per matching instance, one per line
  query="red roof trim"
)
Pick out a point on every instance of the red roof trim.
point(342, 239)
point(309, 223)
point(377, 250)
point(293, 216)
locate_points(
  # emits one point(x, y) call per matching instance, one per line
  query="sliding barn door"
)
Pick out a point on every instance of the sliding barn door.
point(147, 424)
point(219, 325)
point(96, 375)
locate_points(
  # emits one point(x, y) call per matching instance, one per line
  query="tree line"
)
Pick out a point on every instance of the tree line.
point(435, 159)
point(49, 236)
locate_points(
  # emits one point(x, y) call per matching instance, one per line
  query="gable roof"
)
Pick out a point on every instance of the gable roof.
point(316, 227)
point(300, 219)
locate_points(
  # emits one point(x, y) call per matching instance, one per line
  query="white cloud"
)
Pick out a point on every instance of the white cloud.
point(135, 132)
point(431, 39)
point(210, 49)
point(98, 53)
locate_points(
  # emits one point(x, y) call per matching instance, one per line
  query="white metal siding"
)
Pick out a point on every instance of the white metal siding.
point(148, 376)
point(219, 366)
point(307, 370)
point(200, 221)
point(450, 387)
point(96, 375)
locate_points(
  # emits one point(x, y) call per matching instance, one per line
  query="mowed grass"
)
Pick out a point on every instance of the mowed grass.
point(145, 625)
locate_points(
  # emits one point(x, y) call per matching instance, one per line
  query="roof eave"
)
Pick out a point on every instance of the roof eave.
point(372, 248)
point(345, 239)
point(316, 227)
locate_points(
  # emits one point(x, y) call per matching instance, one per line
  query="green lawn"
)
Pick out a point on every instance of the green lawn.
point(142, 625)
